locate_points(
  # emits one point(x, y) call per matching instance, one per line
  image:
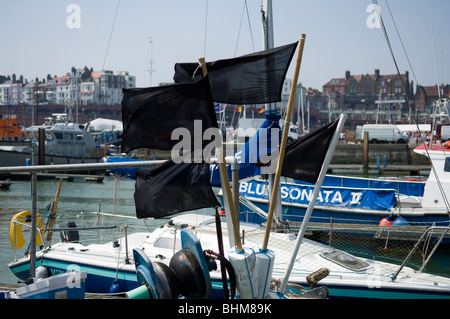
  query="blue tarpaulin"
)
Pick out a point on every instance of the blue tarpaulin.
point(373, 199)
point(246, 154)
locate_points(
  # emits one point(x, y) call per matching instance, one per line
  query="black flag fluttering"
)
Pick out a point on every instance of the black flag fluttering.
point(304, 157)
point(150, 115)
point(249, 79)
point(172, 188)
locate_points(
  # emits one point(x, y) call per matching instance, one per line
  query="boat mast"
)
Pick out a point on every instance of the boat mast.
point(268, 43)
point(267, 23)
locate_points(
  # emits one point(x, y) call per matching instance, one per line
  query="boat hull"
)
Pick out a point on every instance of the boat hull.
point(337, 204)
point(323, 214)
point(13, 158)
point(100, 280)
point(100, 261)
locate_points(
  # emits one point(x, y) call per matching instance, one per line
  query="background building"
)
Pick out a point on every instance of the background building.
point(368, 98)
point(77, 87)
point(424, 100)
point(34, 100)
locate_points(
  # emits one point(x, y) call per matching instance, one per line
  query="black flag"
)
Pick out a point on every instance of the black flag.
point(172, 188)
point(304, 157)
point(150, 115)
point(249, 79)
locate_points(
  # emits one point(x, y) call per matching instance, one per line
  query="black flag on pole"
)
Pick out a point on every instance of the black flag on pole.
point(150, 115)
point(304, 157)
point(249, 79)
point(172, 188)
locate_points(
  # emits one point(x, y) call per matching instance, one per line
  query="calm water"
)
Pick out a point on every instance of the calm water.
point(79, 202)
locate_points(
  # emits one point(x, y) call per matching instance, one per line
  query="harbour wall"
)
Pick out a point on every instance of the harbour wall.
point(398, 154)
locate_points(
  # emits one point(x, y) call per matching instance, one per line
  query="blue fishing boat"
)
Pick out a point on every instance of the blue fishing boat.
point(342, 198)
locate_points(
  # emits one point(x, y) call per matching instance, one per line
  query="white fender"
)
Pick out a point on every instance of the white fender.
point(244, 265)
point(265, 259)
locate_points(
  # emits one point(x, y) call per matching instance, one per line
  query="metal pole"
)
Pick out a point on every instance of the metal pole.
point(312, 202)
point(68, 167)
point(33, 216)
point(41, 152)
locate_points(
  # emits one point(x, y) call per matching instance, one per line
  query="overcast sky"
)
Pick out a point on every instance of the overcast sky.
point(50, 36)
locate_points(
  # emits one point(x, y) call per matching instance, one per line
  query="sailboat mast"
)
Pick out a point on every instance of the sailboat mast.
point(268, 43)
point(267, 23)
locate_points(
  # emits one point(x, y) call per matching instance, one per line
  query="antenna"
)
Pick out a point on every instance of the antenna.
point(151, 70)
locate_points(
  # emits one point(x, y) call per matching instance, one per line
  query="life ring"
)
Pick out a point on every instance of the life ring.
point(447, 144)
point(15, 229)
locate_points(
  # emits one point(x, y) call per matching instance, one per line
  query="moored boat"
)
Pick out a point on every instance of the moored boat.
point(349, 276)
point(65, 143)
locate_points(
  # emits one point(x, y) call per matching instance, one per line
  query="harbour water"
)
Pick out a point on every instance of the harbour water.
point(82, 201)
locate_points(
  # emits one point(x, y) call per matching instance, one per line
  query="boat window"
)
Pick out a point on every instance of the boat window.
point(167, 242)
point(58, 136)
point(68, 136)
point(447, 164)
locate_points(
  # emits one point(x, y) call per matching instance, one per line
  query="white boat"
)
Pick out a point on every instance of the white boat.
point(65, 143)
point(112, 264)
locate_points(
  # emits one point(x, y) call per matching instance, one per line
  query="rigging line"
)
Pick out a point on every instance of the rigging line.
point(110, 34)
point(239, 32)
point(386, 36)
point(401, 41)
point(377, 9)
point(244, 9)
point(249, 25)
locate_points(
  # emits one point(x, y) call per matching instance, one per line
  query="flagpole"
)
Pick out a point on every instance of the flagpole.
point(317, 187)
point(276, 182)
point(225, 180)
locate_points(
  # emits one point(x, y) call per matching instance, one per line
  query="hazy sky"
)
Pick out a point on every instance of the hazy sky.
point(49, 37)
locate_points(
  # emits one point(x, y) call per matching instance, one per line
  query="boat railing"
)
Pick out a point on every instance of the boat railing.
point(41, 231)
point(421, 239)
point(411, 245)
point(248, 204)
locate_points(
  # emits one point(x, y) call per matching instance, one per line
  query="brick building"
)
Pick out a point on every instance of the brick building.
point(424, 100)
point(368, 97)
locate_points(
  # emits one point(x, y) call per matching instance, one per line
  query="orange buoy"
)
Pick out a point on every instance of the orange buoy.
point(385, 222)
